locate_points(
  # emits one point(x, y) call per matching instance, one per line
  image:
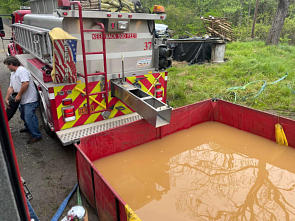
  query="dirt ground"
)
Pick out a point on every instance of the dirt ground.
point(48, 168)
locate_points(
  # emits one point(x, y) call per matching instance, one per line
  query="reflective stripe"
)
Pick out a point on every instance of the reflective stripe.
point(67, 119)
point(166, 78)
point(130, 54)
point(51, 96)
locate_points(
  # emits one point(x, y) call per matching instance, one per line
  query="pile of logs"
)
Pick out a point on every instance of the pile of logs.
point(218, 27)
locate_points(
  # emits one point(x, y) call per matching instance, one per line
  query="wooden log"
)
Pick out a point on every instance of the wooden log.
point(220, 35)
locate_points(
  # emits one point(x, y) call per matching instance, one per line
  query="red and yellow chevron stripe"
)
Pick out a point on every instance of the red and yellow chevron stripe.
point(148, 82)
point(117, 107)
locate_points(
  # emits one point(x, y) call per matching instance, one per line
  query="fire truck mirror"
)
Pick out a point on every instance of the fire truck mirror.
point(2, 32)
point(165, 57)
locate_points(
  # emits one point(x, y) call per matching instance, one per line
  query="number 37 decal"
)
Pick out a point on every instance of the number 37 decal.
point(148, 45)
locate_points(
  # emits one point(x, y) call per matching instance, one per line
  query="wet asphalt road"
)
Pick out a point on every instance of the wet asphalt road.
point(48, 168)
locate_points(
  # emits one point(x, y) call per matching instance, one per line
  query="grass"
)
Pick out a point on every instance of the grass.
point(246, 62)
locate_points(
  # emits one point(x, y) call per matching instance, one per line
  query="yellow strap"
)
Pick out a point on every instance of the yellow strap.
point(131, 216)
point(280, 135)
point(156, 80)
point(83, 92)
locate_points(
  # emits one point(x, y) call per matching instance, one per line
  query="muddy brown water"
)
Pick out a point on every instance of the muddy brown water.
point(208, 172)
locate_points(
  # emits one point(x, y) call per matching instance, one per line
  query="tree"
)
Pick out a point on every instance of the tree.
point(254, 19)
point(183, 15)
point(278, 22)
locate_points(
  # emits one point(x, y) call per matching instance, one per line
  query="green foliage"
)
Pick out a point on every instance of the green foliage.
point(261, 31)
point(183, 15)
point(181, 22)
point(247, 62)
point(288, 31)
point(8, 6)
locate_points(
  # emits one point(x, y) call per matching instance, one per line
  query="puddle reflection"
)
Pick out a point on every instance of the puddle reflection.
point(216, 185)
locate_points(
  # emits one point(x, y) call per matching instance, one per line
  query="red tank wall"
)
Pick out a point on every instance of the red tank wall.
point(99, 192)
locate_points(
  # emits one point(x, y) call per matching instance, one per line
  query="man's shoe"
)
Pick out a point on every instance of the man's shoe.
point(34, 140)
point(23, 130)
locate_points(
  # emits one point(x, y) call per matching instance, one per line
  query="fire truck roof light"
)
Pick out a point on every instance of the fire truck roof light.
point(120, 15)
point(65, 13)
point(109, 15)
point(129, 16)
point(158, 9)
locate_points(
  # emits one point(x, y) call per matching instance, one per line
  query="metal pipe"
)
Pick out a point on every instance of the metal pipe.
point(105, 64)
point(123, 71)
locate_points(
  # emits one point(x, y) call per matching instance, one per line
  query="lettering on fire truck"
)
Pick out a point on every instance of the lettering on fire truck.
point(83, 110)
point(114, 36)
point(148, 45)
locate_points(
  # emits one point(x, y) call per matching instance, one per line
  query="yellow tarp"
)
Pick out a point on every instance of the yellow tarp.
point(280, 135)
point(114, 5)
point(60, 34)
point(131, 216)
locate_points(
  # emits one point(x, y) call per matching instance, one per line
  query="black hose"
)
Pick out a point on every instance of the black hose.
point(121, 6)
point(139, 8)
point(151, 26)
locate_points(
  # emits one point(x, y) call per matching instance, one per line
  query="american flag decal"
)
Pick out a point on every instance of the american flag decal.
point(73, 46)
point(64, 52)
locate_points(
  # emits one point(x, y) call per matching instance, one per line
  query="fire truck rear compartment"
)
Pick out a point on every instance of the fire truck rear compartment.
point(84, 51)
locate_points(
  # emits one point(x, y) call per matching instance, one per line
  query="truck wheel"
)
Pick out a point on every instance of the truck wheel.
point(44, 119)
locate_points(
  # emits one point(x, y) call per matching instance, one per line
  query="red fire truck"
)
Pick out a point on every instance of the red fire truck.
point(95, 69)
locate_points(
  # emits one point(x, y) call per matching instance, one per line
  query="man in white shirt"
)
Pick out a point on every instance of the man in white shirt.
point(21, 83)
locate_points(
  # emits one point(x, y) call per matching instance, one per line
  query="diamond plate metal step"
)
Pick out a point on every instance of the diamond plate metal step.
point(74, 134)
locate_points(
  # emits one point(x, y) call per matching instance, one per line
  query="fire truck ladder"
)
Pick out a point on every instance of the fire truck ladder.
point(105, 91)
